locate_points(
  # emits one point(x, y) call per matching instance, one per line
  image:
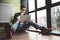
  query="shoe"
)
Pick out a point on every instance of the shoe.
point(45, 30)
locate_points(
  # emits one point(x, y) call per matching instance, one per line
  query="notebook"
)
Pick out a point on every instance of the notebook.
point(25, 18)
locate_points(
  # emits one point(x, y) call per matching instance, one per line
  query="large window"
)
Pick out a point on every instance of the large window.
point(40, 3)
point(41, 15)
point(49, 18)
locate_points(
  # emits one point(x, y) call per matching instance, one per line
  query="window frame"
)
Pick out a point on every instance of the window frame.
point(48, 7)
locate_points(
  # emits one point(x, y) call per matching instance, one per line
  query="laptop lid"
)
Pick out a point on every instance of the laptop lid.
point(25, 18)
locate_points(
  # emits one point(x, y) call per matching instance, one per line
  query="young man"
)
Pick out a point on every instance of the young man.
point(23, 26)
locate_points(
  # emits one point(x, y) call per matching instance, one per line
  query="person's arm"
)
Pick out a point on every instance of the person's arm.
point(15, 18)
point(18, 18)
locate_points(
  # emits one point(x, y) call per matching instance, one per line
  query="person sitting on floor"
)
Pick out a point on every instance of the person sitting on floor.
point(23, 26)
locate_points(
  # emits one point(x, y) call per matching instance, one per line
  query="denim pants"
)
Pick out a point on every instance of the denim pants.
point(15, 25)
point(25, 26)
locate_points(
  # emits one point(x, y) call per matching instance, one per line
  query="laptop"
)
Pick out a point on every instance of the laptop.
point(25, 18)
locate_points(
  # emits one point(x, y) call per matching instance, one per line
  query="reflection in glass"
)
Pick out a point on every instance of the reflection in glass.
point(55, 18)
point(41, 18)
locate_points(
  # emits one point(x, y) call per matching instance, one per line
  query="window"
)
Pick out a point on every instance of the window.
point(31, 5)
point(41, 15)
point(54, 1)
point(55, 18)
point(40, 3)
point(32, 16)
point(41, 18)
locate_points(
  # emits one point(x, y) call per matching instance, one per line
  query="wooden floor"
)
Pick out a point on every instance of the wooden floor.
point(33, 36)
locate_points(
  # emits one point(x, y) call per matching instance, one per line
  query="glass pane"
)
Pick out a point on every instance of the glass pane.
point(32, 17)
point(33, 20)
point(40, 3)
point(54, 1)
point(55, 18)
point(41, 18)
point(31, 5)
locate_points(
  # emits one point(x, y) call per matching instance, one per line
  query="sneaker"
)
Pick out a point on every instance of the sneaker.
point(45, 30)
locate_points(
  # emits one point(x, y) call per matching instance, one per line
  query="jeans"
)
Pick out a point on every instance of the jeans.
point(24, 26)
point(15, 25)
point(35, 25)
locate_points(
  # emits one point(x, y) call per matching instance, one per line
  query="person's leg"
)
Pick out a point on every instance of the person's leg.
point(43, 29)
point(15, 26)
point(25, 26)
point(35, 25)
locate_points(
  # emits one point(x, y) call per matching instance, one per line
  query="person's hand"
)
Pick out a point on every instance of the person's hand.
point(25, 22)
point(18, 18)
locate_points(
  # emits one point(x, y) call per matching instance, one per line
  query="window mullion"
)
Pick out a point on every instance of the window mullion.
point(36, 11)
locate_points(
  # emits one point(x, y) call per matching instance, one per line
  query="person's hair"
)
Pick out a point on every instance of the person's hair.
point(23, 7)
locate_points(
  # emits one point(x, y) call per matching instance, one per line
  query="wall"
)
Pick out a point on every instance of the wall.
point(14, 3)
